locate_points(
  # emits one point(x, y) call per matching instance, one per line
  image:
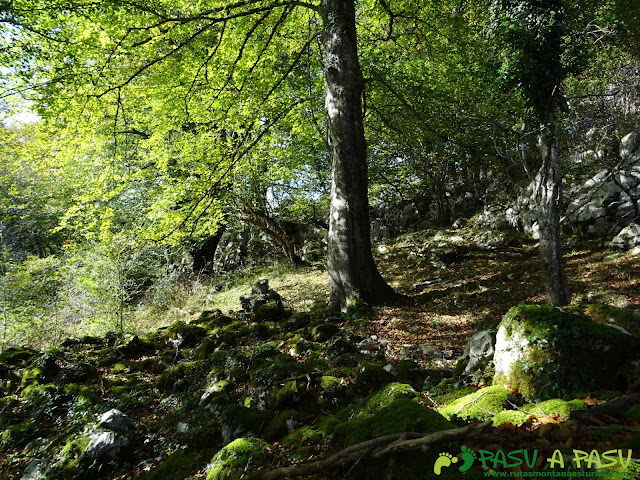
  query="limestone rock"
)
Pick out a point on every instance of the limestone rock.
point(628, 238)
point(105, 444)
point(545, 352)
point(118, 422)
point(260, 295)
point(478, 352)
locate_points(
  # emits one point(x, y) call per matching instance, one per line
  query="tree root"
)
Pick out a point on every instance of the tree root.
point(376, 448)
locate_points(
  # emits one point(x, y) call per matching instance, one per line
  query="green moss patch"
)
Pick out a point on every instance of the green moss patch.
point(181, 335)
point(230, 462)
point(515, 417)
point(401, 415)
point(482, 404)
point(610, 315)
point(393, 409)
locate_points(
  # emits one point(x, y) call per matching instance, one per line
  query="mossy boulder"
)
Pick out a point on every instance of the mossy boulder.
point(174, 467)
point(282, 424)
point(231, 461)
point(371, 377)
point(305, 441)
point(16, 355)
point(238, 421)
point(400, 415)
point(210, 319)
point(479, 405)
point(181, 335)
point(297, 321)
point(546, 352)
point(613, 316)
point(332, 387)
point(270, 312)
point(134, 346)
point(179, 377)
point(19, 434)
point(389, 394)
point(323, 331)
point(393, 409)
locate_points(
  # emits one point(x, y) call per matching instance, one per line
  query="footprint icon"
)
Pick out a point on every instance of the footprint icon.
point(468, 457)
point(444, 460)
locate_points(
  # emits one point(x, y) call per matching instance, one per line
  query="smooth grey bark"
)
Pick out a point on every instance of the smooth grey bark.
point(549, 202)
point(353, 275)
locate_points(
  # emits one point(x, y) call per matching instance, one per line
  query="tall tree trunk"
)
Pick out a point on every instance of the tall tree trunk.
point(353, 275)
point(549, 201)
point(205, 253)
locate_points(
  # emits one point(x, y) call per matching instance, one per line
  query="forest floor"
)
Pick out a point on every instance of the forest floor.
point(335, 400)
point(470, 290)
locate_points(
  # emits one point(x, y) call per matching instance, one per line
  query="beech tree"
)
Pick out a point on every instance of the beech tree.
point(150, 71)
point(532, 31)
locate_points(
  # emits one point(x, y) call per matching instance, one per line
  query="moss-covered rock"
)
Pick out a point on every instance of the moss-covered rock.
point(610, 315)
point(16, 355)
point(371, 377)
point(175, 467)
point(633, 414)
point(481, 405)
point(179, 377)
point(332, 387)
point(77, 373)
point(323, 331)
point(546, 352)
point(231, 461)
point(271, 312)
point(297, 321)
point(180, 335)
point(305, 441)
point(393, 409)
point(19, 434)
point(133, 346)
point(211, 319)
point(281, 425)
point(401, 415)
point(389, 394)
point(239, 421)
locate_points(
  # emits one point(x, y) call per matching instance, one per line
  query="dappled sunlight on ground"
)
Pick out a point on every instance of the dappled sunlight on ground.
point(472, 290)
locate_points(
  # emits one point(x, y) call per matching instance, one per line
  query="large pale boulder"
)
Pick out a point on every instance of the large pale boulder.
point(628, 238)
point(545, 352)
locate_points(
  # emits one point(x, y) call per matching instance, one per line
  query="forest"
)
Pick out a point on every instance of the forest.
point(319, 239)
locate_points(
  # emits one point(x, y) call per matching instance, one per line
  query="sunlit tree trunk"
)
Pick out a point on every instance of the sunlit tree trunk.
point(353, 275)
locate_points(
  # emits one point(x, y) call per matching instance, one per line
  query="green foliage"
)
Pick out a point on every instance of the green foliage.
point(533, 35)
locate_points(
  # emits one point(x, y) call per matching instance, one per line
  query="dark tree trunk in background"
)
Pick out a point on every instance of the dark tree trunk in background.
point(204, 255)
point(549, 201)
point(263, 222)
point(353, 275)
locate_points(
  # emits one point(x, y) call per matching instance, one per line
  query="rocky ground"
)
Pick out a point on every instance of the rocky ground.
point(252, 392)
